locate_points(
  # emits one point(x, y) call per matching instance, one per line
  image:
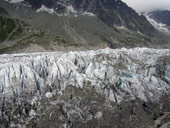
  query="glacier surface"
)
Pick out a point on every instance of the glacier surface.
point(119, 74)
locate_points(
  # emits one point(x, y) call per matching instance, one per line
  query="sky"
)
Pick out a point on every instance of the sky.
point(148, 5)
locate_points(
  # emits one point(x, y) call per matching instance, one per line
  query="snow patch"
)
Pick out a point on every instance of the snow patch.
point(88, 13)
point(71, 9)
point(120, 27)
point(45, 9)
point(14, 1)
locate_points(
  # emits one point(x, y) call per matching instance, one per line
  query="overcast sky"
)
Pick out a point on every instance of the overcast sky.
point(147, 5)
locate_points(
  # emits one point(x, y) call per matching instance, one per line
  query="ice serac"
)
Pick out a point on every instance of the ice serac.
point(119, 74)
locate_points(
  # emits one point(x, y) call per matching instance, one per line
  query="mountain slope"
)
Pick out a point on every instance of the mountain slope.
point(113, 13)
point(160, 20)
point(17, 36)
point(9, 28)
point(88, 24)
point(162, 17)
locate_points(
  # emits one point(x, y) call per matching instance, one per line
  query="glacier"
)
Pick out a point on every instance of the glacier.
point(119, 74)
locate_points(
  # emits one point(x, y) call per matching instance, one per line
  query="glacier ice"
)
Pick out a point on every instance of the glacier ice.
point(117, 73)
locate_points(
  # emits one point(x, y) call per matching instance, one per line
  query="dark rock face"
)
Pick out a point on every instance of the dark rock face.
point(111, 12)
point(161, 17)
point(9, 28)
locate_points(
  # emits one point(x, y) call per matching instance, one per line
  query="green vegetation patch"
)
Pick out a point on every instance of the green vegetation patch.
point(43, 39)
point(3, 35)
point(9, 28)
point(2, 22)
point(10, 25)
point(16, 33)
point(3, 11)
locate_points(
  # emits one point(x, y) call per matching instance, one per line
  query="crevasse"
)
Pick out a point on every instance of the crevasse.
point(117, 73)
